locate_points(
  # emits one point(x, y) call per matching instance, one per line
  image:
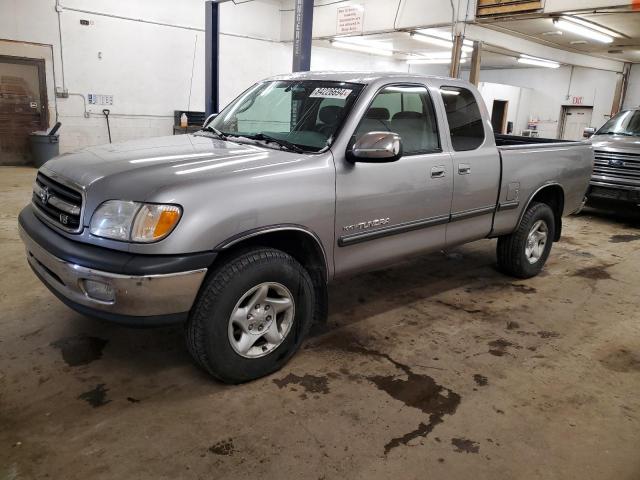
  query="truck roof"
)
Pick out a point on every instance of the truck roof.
point(358, 77)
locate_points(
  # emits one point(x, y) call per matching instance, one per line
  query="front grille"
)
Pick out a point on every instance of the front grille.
point(57, 202)
point(616, 167)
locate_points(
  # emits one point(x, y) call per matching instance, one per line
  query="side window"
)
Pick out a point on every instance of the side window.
point(465, 121)
point(407, 111)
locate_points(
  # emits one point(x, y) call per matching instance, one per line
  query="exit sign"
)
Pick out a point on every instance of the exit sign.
point(577, 100)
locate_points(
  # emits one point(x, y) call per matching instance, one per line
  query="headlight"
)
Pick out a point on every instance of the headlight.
point(134, 221)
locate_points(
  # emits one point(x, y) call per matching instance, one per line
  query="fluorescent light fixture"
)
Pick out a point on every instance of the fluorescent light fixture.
point(538, 62)
point(434, 55)
point(357, 47)
point(443, 35)
point(592, 26)
point(432, 61)
point(587, 32)
point(360, 40)
point(432, 40)
point(438, 41)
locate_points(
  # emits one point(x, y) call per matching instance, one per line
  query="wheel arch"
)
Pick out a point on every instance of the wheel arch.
point(551, 194)
point(298, 241)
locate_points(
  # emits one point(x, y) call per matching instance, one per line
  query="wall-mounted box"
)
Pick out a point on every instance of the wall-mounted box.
point(488, 8)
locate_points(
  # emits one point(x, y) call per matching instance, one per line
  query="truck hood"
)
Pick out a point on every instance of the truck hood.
point(142, 170)
point(154, 161)
point(616, 142)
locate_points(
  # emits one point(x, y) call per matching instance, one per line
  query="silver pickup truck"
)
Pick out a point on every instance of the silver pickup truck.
point(616, 174)
point(236, 230)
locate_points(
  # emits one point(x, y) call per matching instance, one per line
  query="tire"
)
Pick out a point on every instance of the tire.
point(217, 343)
point(513, 258)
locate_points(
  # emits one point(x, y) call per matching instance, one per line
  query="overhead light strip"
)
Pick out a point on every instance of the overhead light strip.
point(439, 42)
point(432, 61)
point(362, 48)
point(587, 32)
point(538, 62)
point(590, 25)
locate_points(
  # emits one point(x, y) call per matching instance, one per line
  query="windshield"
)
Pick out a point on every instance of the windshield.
point(302, 114)
point(625, 123)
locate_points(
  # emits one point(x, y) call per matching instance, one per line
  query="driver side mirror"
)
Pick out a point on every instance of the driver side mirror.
point(376, 147)
point(209, 119)
point(588, 132)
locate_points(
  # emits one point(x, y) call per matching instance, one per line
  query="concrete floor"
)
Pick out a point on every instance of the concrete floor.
point(437, 368)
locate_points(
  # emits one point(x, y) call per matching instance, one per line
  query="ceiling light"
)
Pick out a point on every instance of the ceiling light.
point(362, 48)
point(359, 40)
point(434, 55)
point(432, 40)
point(587, 32)
point(442, 35)
point(538, 62)
point(432, 61)
point(592, 26)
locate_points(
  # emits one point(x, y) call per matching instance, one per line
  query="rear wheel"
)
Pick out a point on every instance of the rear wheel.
point(251, 316)
point(524, 253)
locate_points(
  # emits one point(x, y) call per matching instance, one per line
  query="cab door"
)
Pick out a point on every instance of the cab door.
point(476, 165)
point(387, 211)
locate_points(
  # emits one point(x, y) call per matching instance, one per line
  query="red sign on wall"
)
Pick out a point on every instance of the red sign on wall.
point(577, 100)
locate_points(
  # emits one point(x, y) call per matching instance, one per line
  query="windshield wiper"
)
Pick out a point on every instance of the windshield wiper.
point(221, 135)
point(283, 143)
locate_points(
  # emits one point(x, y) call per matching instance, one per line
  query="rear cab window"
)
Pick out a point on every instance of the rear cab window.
point(466, 126)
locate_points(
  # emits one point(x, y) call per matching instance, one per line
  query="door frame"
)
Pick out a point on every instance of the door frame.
point(505, 113)
point(563, 116)
point(42, 83)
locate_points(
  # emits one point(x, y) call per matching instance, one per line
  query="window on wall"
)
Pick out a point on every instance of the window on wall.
point(407, 111)
point(465, 121)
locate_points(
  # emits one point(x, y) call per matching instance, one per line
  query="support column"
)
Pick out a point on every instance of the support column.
point(476, 60)
point(212, 58)
point(302, 32)
point(456, 53)
point(621, 89)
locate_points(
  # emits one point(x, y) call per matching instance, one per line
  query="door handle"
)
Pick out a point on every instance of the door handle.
point(464, 169)
point(438, 172)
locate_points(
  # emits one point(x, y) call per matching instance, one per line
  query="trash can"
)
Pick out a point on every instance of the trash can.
point(44, 146)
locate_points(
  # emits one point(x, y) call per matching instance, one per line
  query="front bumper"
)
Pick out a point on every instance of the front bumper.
point(136, 299)
point(609, 191)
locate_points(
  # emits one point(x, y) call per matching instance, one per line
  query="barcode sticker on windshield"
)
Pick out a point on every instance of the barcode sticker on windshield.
point(340, 93)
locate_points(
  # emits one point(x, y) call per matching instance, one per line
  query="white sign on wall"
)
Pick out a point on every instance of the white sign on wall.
point(350, 20)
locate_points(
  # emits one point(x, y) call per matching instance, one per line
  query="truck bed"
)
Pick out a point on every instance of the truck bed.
point(529, 164)
point(515, 140)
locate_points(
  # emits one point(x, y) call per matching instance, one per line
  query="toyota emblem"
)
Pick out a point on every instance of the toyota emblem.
point(44, 195)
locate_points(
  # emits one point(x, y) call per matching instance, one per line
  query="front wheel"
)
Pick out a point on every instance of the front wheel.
point(524, 253)
point(251, 316)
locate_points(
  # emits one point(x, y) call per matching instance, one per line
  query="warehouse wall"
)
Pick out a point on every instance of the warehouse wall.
point(519, 102)
point(553, 88)
point(382, 15)
point(147, 67)
point(632, 98)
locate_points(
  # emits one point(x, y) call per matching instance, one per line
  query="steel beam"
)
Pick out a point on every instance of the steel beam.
point(302, 33)
point(212, 57)
point(476, 60)
point(456, 53)
point(621, 89)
